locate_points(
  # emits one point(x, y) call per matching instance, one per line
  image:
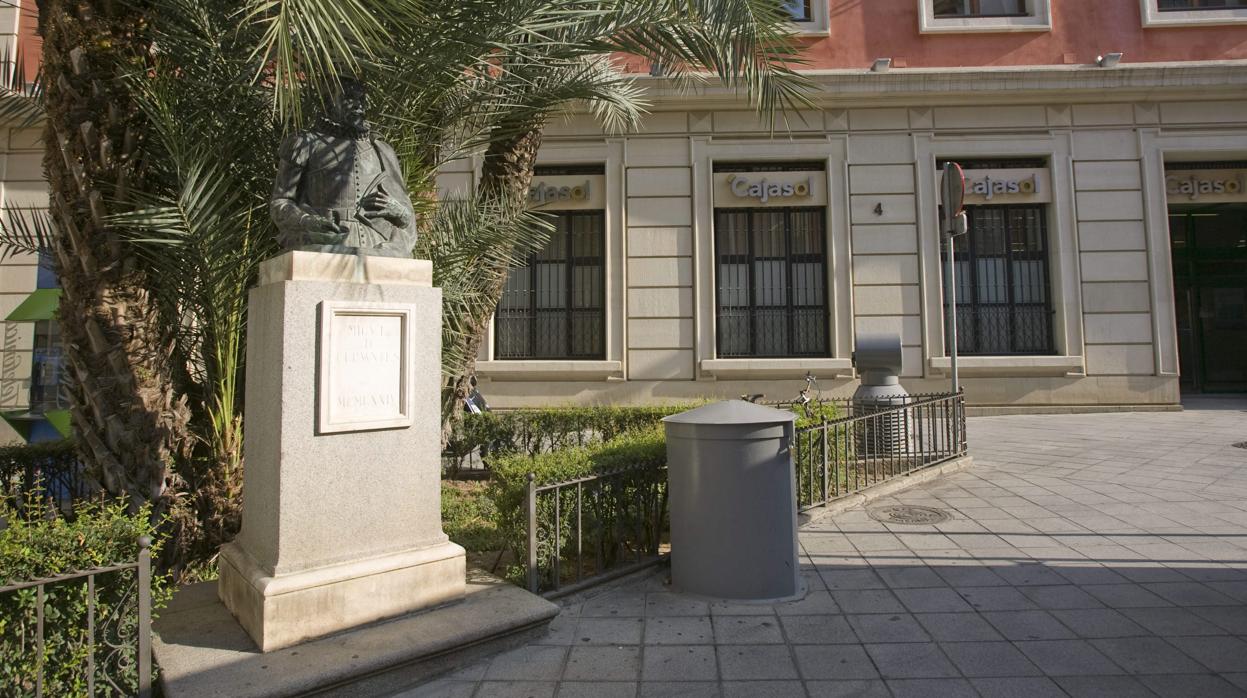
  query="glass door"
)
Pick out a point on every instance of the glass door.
point(1210, 294)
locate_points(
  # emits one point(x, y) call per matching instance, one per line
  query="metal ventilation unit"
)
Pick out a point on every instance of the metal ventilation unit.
point(878, 362)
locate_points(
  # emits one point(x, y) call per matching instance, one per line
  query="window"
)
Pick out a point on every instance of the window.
point(553, 306)
point(1185, 13)
point(1004, 304)
point(770, 279)
point(936, 16)
point(799, 9)
point(45, 370)
point(1181, 5)
point(980, 8)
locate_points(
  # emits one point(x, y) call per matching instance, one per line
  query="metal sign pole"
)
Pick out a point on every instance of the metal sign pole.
point(954, 192)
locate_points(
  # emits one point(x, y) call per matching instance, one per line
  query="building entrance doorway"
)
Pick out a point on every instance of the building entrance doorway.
point(1209, 243)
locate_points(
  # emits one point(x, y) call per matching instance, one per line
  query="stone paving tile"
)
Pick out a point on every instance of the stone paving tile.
point(679, 663)
point(834, 662)
point(867, 601)
point(817, 630)
point(1192, 686)
point(678, 630)
point(1028, 687)
point(1028, 625)
point(1103, 687)
point(958, 627)
point(848, 689)
point(763, 689)
point(619, 663)
point(755, 662)
point(932, 688)
point(747, 630)
point(941, 600)
point(1068, 658)
point(1172, 621)
point(1221, 654)
point(517, 689)
point(609, 631)
point(895, 627)
point(532, 663)
point(996, 599)
point(680, 689)
point(910, 660)
point(1146, 655)
point(1098, 623)
point(596, 689)
point(984, 659)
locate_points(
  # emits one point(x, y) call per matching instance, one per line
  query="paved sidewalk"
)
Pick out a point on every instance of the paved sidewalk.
point(1088, 555)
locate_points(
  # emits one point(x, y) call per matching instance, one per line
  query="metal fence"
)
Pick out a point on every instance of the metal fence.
point(592, 529)
point(874, 444)
point(43, 472)
point(115, 647)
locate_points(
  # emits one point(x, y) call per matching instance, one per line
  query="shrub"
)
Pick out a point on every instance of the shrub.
point(469, 517)
point(37, 544)
point(533, 431)
point(624, 511)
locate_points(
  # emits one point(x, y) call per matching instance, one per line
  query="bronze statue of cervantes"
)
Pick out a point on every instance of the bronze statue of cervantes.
point(339, 188)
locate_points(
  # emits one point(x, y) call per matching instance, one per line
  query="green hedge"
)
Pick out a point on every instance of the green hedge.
point(37, 543)
point(622, 513)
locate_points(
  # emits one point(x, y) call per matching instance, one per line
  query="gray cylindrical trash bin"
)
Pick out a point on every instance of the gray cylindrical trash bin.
point(733, 502)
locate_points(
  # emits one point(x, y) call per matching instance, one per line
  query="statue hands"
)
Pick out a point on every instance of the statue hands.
point(379, 204)
point(319, 230)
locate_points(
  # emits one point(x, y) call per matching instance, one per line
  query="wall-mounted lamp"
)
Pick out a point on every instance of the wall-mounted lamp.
point(881, 65)
point(1108, 60)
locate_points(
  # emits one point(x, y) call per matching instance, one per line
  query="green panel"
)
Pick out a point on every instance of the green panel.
point(60, 420)
point(20, 421)
point(40, 305)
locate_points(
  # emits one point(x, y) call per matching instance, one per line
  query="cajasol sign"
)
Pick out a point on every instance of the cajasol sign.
point(769, 189)
point(568, 193)
point(1206, 186)
point(1011, 186)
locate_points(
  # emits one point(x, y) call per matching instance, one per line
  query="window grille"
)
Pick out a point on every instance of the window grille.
point(1004, 305)
point(553, 306)
point(981, 8)
point(770, 279)
point(800, 10)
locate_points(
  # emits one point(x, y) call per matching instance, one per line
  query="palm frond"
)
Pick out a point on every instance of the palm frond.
point(25, 230)
point(21, 99)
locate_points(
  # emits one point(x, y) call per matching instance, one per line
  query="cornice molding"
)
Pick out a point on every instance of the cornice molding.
point(910, 86)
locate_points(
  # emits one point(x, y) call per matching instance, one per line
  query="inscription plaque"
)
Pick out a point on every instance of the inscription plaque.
point(364, 358)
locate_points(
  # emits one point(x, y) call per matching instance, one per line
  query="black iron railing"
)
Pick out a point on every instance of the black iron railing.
point(591, 529)
point(588, 530)
point(114, 646)
point(876, 443)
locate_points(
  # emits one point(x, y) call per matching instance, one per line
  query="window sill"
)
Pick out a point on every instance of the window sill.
point(776, 368)
point(970, 366)
point(533, 370)
point(972, 25)
point(1155, 19)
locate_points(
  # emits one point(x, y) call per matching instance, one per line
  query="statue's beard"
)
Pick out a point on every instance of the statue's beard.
point(355, 130)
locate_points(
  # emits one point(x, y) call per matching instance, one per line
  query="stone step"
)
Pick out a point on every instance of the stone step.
point(202, 651)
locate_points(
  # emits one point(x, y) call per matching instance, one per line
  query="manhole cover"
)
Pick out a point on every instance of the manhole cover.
point(908, 514)
point(1241, 444)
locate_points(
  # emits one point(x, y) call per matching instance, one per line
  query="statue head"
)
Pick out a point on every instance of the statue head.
point(346, 108)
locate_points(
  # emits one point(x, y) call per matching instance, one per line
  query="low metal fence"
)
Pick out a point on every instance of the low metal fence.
point(113, 649)
point(44, 472)
point(595, 528)
point(876, 443)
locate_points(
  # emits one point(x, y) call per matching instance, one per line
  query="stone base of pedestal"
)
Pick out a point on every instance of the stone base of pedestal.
point(282, 611)
point(341, 523)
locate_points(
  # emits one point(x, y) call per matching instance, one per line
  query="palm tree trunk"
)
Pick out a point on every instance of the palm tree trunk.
point(506, 174)
point(130, 421)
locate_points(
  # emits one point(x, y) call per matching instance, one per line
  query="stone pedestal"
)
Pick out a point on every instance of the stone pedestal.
point(342, 511)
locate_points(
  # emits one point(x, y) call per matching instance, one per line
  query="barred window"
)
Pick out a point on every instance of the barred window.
point(770, 278)
point(553, 306)
point(1004, 304)
point(981, 8)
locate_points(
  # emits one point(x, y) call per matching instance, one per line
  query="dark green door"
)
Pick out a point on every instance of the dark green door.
point(1210, 292)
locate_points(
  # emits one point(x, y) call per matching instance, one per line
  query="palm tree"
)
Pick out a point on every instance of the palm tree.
point(161, 147)
point(130, 419)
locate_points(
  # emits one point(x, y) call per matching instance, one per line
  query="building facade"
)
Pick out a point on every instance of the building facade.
point(709, 254)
